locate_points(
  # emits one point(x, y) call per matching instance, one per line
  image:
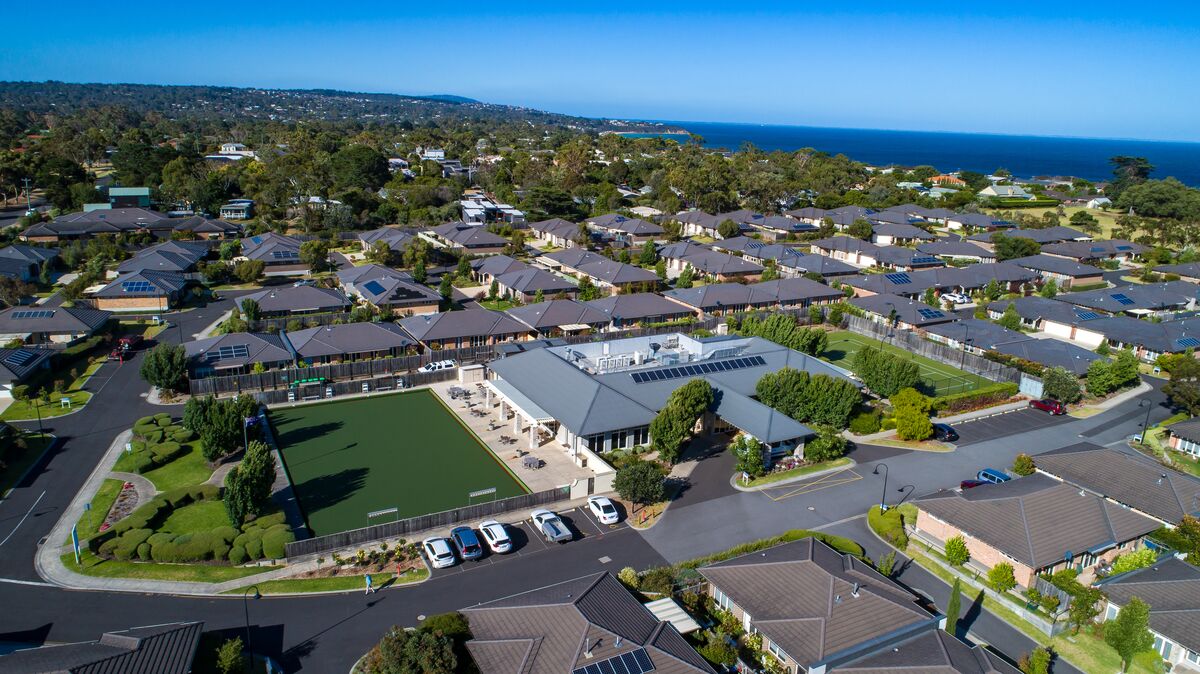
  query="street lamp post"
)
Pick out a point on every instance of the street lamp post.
point(1149, 405)
point(246, 608)
point(883, 496)
point(37, 408)
point(909, 488)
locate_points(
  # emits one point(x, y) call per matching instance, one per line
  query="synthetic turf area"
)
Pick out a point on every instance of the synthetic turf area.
point(403, 450)
point(939, 379)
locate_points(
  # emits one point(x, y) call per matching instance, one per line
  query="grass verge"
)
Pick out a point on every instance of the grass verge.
point(35, 446)
point(89, 524)
point(916, 445)
point(91, 565)
point(189, 469)
point(24, 410)
point(772, 478)
point(334, 583)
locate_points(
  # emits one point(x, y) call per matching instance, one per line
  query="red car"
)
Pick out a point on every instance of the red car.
point(968, 484)
point(1049, 405)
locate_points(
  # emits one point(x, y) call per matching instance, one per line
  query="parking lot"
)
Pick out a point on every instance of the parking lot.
point(1001, 425)
point(527, 540)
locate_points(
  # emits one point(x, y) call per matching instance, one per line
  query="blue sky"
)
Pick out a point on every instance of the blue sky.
point(1098, 69)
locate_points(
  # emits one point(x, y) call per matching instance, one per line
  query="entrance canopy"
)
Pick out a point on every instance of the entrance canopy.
point(520, 401)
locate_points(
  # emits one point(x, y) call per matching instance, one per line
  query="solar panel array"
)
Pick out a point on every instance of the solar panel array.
point(373, 287)
point(228, 353)
point(930, 313)
point(1188, 342)
point(40, 313)
point(707, 367)
point(284, 254)
point(1124, 247)
point(20, 357)
point(925, 260)
point(1122, 299)
point(899, 278)
point(1087, 315)
point(634, 662)
point(136, 287)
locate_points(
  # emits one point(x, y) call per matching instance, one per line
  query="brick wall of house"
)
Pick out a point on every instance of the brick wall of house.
point(415, 309)
point(981, 553)
point(132, 303)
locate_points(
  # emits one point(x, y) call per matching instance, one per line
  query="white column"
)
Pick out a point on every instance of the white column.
point(516, 421)
point(533, 436)
point(487, 397)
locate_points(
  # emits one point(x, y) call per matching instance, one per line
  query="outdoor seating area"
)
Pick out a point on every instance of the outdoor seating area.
point(528, 452)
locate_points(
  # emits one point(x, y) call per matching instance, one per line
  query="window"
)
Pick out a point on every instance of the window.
point(722, 600)
point(641, 436)
point(1193, 657)
point(618, 439)
point(1111, 613)
point(777, 651)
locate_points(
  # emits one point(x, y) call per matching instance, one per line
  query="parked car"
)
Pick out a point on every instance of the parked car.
point(466, 542)
point(604, 509)
point(944, 433)
point(305, 282)
point(992, 476)
point(437, 365)
point(496, 537)
point(971, 484)
point(551, 526)
point(437, 550)
point(124, 347)
point(1049, 405)
point(955, 298)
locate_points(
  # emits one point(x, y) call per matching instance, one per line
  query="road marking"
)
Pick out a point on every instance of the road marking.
point(35, 503)
point(824, 482)
point(14, 581)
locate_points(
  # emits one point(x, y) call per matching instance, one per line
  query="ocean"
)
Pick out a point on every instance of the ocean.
point(1024, 156)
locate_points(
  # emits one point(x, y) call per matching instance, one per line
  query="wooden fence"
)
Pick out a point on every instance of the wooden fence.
point(412, 525)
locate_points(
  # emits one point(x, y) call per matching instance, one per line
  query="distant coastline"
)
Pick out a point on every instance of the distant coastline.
point(1024, 156)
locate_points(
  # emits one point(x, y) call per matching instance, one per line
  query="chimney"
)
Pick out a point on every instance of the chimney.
point(587, 648)
point(854, 592)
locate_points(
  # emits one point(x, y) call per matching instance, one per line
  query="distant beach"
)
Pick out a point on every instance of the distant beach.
point(1025, 156)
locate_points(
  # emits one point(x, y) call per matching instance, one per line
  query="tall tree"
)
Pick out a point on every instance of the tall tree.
point(1129, 633)
point(248, 485)
point(954, 607)
point(165, 367)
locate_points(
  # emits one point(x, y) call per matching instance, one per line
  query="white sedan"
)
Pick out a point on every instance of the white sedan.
point(496, 537)
point(439, 552)
point(604, 509)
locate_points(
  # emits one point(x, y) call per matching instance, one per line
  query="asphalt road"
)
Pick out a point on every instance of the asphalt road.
point(327, 633)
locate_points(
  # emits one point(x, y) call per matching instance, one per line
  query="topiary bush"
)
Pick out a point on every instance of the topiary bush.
point(254, 548)
point(144, 421)
point(866, 423)
point(274, 543)
point(237, 555)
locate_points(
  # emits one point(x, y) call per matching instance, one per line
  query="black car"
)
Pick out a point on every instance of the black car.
point(944, 433)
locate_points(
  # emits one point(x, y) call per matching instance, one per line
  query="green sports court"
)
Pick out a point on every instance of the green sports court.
point(401, 450)
point(939, 379)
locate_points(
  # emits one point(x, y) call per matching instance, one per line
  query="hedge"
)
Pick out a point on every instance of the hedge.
point(987, 396)
point(275, 542)
point(889, 525)
point(843, 545)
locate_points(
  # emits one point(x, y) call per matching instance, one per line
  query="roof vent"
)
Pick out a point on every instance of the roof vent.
point(854, 592)
point(587, 648)
point(837, 599)
point(1161, 477)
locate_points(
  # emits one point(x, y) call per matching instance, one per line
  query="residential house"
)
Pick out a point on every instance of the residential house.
point(708, 263)
point(1036, 524)
point(1008, 277)
point(946, 179)
point(1187, 271)
point(1093, 251)
point(295, 300)
point(899, 234)
point(1066, 273)
point(604, 273)
point(394, 292)
point(176, 257)
point(974, 335)
point(554, 318)
point(488, 269)
point(58, 325)
point(847, 249)
point(1147, 339)
point(17, 364)
point(349, 342)
point(630, 310)
point(481, 209)
point(816, 609)
point(555, 232)
point(901, 312)
point(779, 227)
point(1171, 588)
point(238, 209)
point(467, 238)
point(573, 626)
point(23, 262)
point(142, 291)
point(1098, 202)
point(467, 328)
point(630, 231)
point(1137, 300)
point(168, 648)
point(238, 353)
point(1048, 235)
point(1004, 192)
point(396, 239)
point(788, 261)
point(720, 299)
point(524, 285)
point(1131, 480)
point(957, 251)
point(905, 259)
point(279, 254)
point(930, 652)
point(86, 224)
point(983, 221)
point(1184, 436)
point(1051, 353)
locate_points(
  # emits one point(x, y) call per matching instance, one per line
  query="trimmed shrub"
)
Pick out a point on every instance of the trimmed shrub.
point(165, 452)
point(226, 533)
point(178, 498)
point(162, 423)
point(274, 543)
point(986, 396)
point(143, 463)
point(889, 525)
point(956, 551)
point(154, 437)
point(220, 549)
point(205, 492)
point(144, 421)
point(183, 435)
point(127, 545)
point(161, 417)
point(268, 521)
point(866, 423)
point(254, 548)
point(237, 555)
point(143, 551)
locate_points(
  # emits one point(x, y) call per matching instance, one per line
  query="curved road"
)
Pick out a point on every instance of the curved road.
point(327, 633)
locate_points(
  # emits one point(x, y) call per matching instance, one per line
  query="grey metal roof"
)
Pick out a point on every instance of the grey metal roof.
point(1165, 337)
point(298, 298)
point(260, 347)
point(159, 649)
point(1134, 480)
point(956, 249)
point(930, 652)
point(531, 280)
point(265, 246)
point(709, 261)
point(602, 268)
point(1095, 250)
point(637, 306)
point(31, 254)
point(898, 256)
point(556, 227)
point(396, 239)
point(1186, 270)
point(907, 310)
point(469, 236)
point(819, 606)
point(59, 320)
point(172, 256)
point(158, 284)
point(1037, 520)
point(556, 313)
point(549, 630)
point(982, 334)
point(396, 291)
point(764, 423)
point(16, 363)
point(794, 290)
point(370, 272)
point(1035, 308)
point(1056, 265)
point(348, 339)
point(1149, 296)
point(847, 244)
point(621, 223)
point(903, 230)
point(462, 324)
point(1044, 236)
point(1172, 589)
point(1051, 353)
point(495, 265)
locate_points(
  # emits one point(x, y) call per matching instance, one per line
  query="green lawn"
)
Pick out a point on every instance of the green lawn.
point(497, 305)
point(89, 524)
point(199, 516)
point(197, 573)
point(19, 463)
point(334, 583)
point(938, 378)
point(405, 450)
point(771, 478)
point(189, 469)
point(23, 410)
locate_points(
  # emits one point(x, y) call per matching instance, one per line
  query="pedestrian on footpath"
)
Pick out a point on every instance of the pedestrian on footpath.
point(370, 588)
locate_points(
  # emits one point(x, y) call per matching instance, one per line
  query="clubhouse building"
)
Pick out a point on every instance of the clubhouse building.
point(594, 398)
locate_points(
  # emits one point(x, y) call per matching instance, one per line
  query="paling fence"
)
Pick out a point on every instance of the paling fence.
point(411, 525)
